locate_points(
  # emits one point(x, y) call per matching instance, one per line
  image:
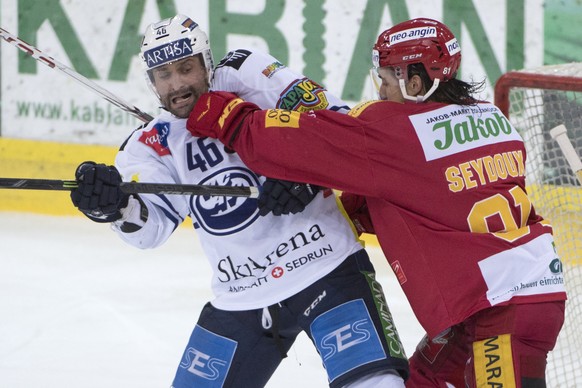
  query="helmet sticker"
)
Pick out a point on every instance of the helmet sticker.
point(169, 52)
point(412, 33)
point(453, 46)
point(189, 24)
point(375, 58)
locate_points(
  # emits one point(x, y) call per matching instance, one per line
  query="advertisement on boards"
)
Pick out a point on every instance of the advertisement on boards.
point(329, 41)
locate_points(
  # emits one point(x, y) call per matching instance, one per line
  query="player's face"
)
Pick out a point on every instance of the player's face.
point(389, 88)
point(180, 84)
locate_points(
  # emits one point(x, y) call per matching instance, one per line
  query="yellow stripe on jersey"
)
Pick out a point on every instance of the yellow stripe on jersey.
point(494, 362)
point(358, 109)
point(226, 112)
point(341, 208)
point(281, 118)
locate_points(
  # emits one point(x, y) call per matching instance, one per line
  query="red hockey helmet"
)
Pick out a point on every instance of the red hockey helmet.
point(422, 40)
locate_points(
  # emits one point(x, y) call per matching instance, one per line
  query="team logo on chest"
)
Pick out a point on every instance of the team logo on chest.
point(226, 215)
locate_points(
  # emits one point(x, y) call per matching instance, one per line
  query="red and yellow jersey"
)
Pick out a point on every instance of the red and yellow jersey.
point(445, 187)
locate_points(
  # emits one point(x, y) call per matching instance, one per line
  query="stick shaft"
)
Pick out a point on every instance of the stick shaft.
point(560, 134)
point(54, 64)
point(127, 187)
point(134, 187)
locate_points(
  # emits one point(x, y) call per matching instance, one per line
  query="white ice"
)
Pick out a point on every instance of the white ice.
point(80, 308)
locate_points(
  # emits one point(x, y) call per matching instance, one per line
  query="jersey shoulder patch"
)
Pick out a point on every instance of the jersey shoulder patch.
point(157, 138)
point(234, 59)
point(271, 69)
point(303, 95)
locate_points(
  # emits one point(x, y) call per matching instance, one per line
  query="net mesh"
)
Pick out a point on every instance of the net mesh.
point(556, 194)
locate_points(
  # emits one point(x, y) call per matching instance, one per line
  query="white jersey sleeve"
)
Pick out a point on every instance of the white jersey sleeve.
point(256, 260)
point(260, 78)
point(142, 159)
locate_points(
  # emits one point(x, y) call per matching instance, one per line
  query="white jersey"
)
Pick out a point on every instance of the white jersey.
point(256, 260)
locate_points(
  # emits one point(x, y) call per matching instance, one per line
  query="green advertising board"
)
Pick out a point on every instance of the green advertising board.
point(329, 41)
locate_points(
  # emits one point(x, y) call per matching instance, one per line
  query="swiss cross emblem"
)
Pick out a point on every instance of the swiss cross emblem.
point(277, 272)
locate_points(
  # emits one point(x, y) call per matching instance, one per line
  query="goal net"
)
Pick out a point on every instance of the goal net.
point(536, 101)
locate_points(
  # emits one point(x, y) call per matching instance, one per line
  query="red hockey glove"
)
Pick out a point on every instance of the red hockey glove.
point(357, 210)
point(218, 115)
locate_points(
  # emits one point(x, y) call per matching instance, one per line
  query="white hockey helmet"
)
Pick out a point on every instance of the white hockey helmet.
point(173, 39)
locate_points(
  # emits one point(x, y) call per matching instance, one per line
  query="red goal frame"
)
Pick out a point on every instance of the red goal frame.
point(520, 79)
point(564, 365)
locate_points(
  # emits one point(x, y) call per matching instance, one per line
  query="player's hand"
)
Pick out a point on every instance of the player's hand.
point(284, 197)
point(217, 115)
point(357, 210)
point(98, 194)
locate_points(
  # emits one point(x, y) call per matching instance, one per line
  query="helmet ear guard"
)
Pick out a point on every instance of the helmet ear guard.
point(171, 40)
point(424, 41)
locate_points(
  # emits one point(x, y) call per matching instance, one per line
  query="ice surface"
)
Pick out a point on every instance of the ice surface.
point(80, 308)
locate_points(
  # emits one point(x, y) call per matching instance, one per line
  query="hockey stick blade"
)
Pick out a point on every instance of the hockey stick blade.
point(135, 187)
point(560, 134)
point(54, 64)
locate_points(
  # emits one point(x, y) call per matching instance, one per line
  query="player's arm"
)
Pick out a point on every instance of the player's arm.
point(322, 147)
point(145, 221)
point(357, 210)
point(263, 80)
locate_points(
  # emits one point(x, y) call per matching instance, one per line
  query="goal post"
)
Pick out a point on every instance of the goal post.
point(537, 101)
point(560, 134)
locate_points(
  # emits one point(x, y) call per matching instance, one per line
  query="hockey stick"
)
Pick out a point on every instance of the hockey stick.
point(128, 187)
point(560, 134)
point(135, 187)
point(54, 64)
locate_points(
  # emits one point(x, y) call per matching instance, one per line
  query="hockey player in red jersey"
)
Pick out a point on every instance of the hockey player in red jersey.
point(440, 178)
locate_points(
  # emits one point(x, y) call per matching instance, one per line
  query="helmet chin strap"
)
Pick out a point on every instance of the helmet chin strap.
point(418, 98)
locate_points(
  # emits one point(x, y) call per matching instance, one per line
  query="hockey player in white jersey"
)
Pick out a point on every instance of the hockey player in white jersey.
point(291, 264)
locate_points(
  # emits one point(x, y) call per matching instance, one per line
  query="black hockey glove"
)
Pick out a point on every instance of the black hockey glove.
point(284, 197)
point(99, 196)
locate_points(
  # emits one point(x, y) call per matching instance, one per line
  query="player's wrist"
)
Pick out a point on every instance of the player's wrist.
point(133, 216)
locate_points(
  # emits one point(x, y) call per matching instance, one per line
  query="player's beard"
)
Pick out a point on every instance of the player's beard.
point(181, 102)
